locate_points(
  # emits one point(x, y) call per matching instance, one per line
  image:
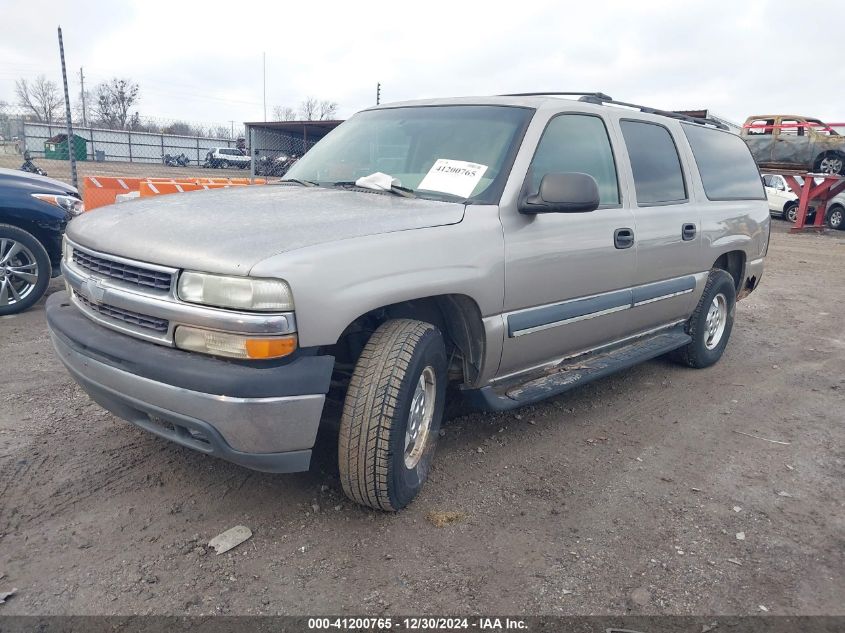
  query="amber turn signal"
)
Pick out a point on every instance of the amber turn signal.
point(270, 347)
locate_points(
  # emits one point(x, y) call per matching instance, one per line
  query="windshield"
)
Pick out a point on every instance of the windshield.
point(439, 152)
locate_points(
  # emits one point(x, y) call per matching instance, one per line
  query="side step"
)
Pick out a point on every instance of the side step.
point(577, 371)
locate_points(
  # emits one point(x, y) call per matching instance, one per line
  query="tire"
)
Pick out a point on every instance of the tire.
point(709, 337)
point(224, 164)
point(836, 217)
point(790, 212)
point(402, 369)
point(833, 163)
point(25, 270)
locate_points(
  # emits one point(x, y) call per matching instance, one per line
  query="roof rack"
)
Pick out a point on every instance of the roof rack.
point(597, 95)
point(600, 99)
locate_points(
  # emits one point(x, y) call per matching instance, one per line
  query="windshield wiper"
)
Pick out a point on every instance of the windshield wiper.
point(304, 183)
point(405, 192)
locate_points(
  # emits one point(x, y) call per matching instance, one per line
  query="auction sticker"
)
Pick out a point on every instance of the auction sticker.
point(457, 177)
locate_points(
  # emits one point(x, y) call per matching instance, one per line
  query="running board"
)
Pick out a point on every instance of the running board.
point(577, 371)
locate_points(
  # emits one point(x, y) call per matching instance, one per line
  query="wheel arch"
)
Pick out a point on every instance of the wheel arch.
point(732, 262)
point(456, 315)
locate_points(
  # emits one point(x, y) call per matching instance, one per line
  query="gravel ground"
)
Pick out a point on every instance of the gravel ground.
point(633, 495)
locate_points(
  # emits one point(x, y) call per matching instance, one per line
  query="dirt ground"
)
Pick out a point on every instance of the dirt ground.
point(628, 496)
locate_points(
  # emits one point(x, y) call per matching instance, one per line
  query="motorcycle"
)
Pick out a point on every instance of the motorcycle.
point(169, 160)
point(29, 166)
point(182, 160)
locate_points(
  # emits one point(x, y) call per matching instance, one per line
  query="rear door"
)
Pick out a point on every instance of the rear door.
point(793, 143)
point(667, 225)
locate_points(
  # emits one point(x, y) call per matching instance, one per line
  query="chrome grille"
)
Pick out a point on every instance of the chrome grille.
point(128, 273)
point(127, 316)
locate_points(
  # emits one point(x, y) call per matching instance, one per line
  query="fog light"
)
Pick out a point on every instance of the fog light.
point(233, 345)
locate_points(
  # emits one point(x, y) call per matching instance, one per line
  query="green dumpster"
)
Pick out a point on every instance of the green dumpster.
point(57, 147)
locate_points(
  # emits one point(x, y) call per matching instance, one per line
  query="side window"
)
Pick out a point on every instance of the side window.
point(792, 127)
point(760, 127)
point(728, 171)
point(577, 142)
point(655, 162)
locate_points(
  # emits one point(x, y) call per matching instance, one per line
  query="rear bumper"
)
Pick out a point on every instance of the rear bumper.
point(264, 418)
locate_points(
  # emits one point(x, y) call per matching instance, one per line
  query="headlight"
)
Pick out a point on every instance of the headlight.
point(233, 345)
point(72, 205)
point(245, 293)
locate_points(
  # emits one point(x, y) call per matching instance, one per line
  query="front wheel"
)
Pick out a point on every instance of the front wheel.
point(790, 212)
point(711, 324)
point(391, 415)
point(224, 164)
point(836, 218)
point(25, 270)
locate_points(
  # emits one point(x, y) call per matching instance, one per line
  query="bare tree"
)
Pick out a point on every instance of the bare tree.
point(308, 109)
point(41, 97)
point(115, 99)
point(284, 113)
point(327, 110)
point(312, 109)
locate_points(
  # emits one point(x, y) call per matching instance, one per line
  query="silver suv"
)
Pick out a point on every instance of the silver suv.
point(502, 250)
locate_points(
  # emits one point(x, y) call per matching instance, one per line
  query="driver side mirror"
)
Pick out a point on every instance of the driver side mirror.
point(572, 192)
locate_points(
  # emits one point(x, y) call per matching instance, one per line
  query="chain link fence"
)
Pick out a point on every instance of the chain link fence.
point(146, 148)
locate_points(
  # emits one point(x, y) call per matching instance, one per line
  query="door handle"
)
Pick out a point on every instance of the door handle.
point(688, 232)
point(623, 238)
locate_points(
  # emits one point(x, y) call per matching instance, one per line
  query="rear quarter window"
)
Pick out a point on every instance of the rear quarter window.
point(728, 172)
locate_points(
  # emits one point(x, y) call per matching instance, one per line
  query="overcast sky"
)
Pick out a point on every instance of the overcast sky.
point(202, 61)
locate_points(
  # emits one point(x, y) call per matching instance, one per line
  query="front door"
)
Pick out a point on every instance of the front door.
point(567, 287)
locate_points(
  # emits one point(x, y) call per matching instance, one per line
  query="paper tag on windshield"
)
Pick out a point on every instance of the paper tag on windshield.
point(457, 177)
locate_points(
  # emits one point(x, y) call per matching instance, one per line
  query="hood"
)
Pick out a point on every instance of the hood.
point(228, 231)
point(13, 178)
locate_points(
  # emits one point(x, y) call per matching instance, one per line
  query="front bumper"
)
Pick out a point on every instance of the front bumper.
point(262, 416)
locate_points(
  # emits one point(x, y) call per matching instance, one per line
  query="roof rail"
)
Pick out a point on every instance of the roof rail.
point(600, 99)
point(597, 95)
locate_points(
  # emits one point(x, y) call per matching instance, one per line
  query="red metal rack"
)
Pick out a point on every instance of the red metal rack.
point(813, 194)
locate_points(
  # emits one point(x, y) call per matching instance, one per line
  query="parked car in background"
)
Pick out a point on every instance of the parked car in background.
point(783, 202)
point(519, 247)
point(223, 157)
point(34, 211)
point(781, 141)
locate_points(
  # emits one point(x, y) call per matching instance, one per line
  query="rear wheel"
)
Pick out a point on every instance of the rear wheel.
point(392, 414)
point(25, 270)
point(224, 164)
point(831, 164)
point(836, 217)
point(711, 324)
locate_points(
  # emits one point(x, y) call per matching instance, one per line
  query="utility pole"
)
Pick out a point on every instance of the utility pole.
point(71, 145)
point(378, 93)
point(232, 136)
point(82, 95)
point(264, 72)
